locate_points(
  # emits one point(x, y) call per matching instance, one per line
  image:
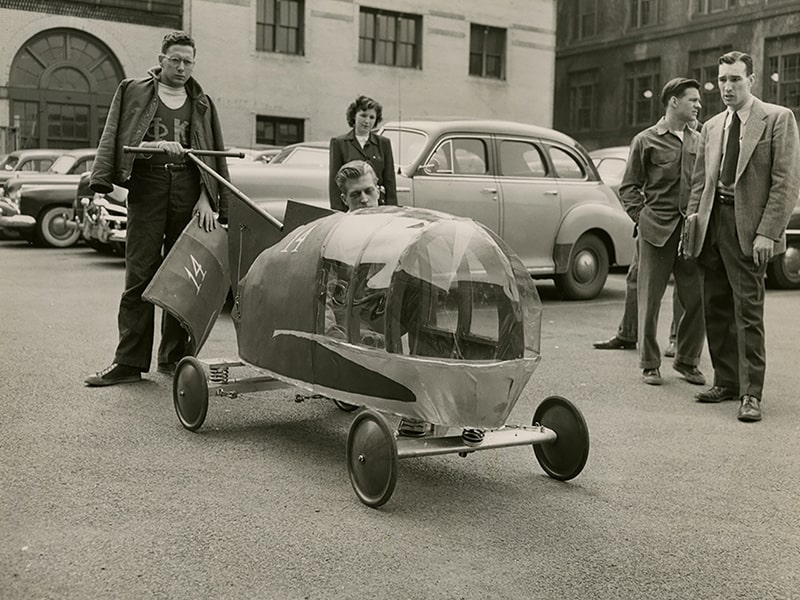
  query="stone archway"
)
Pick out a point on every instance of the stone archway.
point(60, 87)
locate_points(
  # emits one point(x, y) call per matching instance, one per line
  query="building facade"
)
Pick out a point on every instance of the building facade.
point(280, 71)
point(614, 56)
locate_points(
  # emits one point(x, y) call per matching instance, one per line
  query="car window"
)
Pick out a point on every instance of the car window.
point(62, 164)
point(521, 159)
point(10, 162)
point(36, 164)
point(566, 165)
point(301, 155)
point(460, 156)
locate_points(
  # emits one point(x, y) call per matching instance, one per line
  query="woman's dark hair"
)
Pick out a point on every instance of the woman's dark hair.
point(364, 103)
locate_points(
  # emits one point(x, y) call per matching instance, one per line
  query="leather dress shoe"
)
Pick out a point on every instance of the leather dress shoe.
point(716, 393)
point(690, 373)
point(615, 344)
point(749, 409)
point(652, 377)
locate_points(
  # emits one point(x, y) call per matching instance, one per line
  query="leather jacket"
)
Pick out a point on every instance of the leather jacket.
point(129, 116)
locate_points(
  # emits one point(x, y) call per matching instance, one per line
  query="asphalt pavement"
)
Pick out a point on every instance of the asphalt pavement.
point(104, 495)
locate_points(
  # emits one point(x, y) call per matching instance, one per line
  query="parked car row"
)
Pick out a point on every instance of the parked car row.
point(550, 200)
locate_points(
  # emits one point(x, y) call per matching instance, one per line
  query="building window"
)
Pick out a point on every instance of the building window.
point(782, 85)
point(487, 51)
point(644, 12)
point(278, 131)
point(705, 7)
point(642, 79)
point(279, 26)
point(389, 38)
point(587, 18)
point(583, 100)
point(704, 67)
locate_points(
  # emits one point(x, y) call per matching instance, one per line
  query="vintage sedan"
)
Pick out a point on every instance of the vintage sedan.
point(537, 188)
point(44, 200)
point(34, 159)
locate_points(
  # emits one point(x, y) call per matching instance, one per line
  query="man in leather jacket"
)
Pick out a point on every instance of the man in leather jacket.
point(169, 112)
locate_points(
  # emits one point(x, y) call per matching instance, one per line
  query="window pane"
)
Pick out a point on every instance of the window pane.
point(566, 166)
point(521, 159)
point(469, 156)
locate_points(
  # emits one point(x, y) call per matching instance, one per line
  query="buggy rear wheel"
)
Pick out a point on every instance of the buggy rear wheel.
point(565, 457)
point(190, 393)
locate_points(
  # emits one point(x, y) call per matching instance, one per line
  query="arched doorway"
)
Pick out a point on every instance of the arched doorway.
point(61, 85)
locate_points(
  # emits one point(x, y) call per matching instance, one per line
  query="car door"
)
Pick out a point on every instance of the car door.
point(457, 178)
point(531, 206)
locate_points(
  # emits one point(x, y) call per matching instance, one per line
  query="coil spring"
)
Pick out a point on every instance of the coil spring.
point(472, 437)
point(218, 374)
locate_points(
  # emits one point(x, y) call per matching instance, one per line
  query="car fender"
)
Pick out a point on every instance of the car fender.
point(34, 199)
point(609, 223)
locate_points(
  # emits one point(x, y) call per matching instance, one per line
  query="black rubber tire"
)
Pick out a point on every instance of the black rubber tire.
point(190, 393)
point(372, 458)
point(784, 271)
point(564, 458)
point(51, 228)
point(587, 270)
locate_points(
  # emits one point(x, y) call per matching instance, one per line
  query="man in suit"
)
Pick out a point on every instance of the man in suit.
point(744, 186)
point(655, 192)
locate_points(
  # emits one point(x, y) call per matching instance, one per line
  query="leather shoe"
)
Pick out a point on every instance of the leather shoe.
point(113, 375)
point(652, 377)
point(615, 344)
point(750, 409)
point(716, 393)
point(670, 351)
point(690, 373)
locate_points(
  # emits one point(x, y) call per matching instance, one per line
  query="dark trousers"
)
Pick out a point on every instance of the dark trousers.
point(734, 307)
point(160, 205)
point(656, 264)
point(628, 330)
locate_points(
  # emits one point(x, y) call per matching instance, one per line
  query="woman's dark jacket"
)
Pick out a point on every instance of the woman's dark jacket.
point(377, 152)
point(129, 116)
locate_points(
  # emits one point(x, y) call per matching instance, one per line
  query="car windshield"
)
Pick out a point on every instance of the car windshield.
point(62, 164)
point(306, 156)
point(406, 144)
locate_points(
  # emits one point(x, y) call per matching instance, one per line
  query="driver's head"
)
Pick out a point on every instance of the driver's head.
point(358, 184)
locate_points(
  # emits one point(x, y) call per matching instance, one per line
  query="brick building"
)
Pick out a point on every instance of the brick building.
point(280, 71)
point(614, 56)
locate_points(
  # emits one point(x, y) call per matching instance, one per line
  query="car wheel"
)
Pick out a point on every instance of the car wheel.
point(52, 227)
point(784, 271)
point(587, 270)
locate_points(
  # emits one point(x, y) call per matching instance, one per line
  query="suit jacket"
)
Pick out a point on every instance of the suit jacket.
point(767, 182)
point(377, 152)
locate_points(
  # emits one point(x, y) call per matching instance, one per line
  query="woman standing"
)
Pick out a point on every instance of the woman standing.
point(361, 143)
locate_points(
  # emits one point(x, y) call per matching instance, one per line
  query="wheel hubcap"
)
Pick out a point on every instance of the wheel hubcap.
point(585, 267)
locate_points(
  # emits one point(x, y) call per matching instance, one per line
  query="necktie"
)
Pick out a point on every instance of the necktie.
point(728, 173)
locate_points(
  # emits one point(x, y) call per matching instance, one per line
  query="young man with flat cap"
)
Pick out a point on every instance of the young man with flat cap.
point(655, 191)
point(745, 184)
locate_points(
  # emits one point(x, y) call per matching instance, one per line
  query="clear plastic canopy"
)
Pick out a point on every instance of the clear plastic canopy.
point(425, 284)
